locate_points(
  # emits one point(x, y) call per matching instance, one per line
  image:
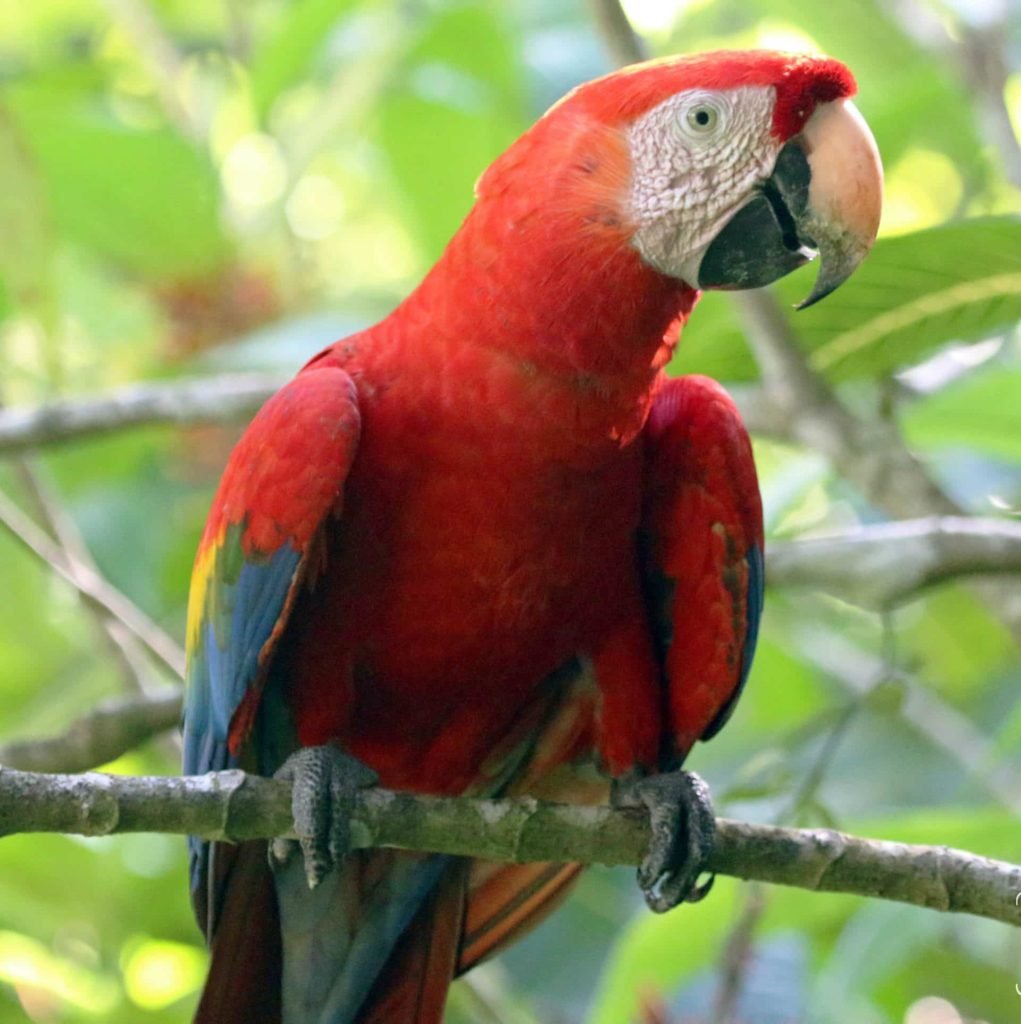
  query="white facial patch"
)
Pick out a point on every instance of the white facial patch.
point(696, 158)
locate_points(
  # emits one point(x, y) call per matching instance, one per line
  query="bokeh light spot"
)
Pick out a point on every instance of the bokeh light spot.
point(43, 979)
point(157, 974)
point(315, 207)
point(254, 170)
point(922, 189)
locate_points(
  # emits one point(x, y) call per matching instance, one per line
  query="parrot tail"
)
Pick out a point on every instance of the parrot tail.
point(243, 986)
point(413, 985)
point(377, 941)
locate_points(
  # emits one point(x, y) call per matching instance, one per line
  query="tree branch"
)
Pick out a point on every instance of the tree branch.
point(233, 806)
point(884, 565)
point(224, 399)
point(208, 400)
point(99, 737)
point(622, 42)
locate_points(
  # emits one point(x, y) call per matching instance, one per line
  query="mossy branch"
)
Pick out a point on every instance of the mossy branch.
point(233, 806)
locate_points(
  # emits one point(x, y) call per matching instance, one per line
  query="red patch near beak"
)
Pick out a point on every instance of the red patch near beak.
point(806, 83)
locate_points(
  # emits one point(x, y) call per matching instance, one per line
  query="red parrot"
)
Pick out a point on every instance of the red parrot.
point(486, 546)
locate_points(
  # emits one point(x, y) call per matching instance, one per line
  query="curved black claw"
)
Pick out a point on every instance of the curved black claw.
point(325, 782)
point(683, 834)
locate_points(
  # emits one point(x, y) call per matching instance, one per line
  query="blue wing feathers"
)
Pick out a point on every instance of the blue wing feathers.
point(225, 666)
point(755, 600)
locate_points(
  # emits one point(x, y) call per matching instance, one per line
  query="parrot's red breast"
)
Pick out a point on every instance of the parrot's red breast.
point(493, 503)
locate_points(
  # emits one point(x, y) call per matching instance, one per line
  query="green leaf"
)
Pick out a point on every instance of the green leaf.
point(915, 292)
point(713, 342)
point(878, 941)
point(979, 411)
point(144, 199)
point(286, 56)
point(656, 952)
point(964, 976)
point(987, 831)
point(455, 107)
point(955, 643)
point(27, 251)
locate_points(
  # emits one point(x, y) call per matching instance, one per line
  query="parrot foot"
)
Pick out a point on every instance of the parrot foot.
point(325, 782)
point(683, 835)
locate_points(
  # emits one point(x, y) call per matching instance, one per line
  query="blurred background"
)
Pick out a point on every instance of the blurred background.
point(212, 190)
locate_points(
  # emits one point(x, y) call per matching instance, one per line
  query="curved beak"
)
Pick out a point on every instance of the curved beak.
point(823, 198)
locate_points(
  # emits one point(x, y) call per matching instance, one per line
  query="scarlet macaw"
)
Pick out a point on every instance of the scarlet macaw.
point(485, 542)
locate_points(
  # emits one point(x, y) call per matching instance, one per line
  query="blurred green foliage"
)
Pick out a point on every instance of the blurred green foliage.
point(188, 186)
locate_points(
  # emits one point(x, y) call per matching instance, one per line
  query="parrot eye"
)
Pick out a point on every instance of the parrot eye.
point(703, 117)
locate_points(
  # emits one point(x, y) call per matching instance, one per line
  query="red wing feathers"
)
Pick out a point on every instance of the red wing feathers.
point(702, 548)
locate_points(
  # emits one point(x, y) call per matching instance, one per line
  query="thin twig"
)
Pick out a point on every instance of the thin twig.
point(56, 519)
point(162, 58)
point(233, 806)
point(921, 709)
point(92, 587)
point(804, 796)
point(737, 953)
point(123, 647)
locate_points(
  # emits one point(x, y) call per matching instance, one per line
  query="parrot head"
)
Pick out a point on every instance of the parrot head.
point(722, 170)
